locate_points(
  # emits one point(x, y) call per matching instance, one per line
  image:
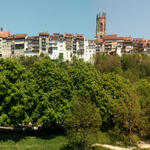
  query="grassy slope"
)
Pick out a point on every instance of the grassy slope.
point(43, 141)
point(17, 142)
point(40, 142)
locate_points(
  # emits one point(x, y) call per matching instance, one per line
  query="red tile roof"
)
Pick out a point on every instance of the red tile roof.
point(68, 35)
point(128, 39)
point(4, 34)
point(146, 43)
point(80, 36)
point(52, 37)
point(20, 36)
point(44, 33)
point(137, 39)
point(11, 36)
point(56, 34)
point(115, 37)
point(110, 37)
point(17, 36)
point(107, 43)
point(99, 40)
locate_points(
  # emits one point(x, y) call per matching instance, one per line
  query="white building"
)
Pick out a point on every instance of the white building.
point(90, 50)
point(80, 45)
point(65, 46)
point(32, 48)
point(5, 49)
point(56, 46)
point(43, 42)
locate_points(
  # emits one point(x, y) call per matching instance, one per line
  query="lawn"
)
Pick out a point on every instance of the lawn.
point(27, 142)
point(42, 141)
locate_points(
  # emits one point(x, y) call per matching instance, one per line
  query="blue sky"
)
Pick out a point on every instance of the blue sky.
point(124, 17)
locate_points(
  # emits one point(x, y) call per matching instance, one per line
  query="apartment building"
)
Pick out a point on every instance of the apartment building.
point(32, 48)
point(56, 46)
point(70, 46)
point(90, 50)
point(147, 46)
point(43, 42)
point(138, 44)
point(5, 51)
point(18, 44)
point(128, 45)
point(79, 48)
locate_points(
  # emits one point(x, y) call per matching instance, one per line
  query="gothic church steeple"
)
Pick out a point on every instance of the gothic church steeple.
point(100, 25)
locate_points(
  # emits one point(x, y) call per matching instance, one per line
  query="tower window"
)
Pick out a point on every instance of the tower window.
point(101, 27)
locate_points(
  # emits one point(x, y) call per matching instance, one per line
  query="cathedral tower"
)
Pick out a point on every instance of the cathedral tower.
point(100, 25)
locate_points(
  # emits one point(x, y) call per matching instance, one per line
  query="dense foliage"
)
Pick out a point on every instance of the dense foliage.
point(82, 124)
point(40, 91)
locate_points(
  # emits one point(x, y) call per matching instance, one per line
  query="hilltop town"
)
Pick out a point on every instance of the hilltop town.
point(55, 101)
point(69, 45)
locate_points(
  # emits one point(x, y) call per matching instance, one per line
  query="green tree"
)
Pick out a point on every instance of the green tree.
point(130, 61)
point(54, 90)
point(27, 61)
point(82, 124)
point(144, 67)
point(128, 118)
point(113, 89)
point(135, 66)
point(142, 88)
point(17, 96)
point(104, 89)
point(108, 63)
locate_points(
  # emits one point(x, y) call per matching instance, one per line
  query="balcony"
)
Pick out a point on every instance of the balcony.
point(35, 42)
point(50, 51)
point(35, 50)
point(80, 52)
point(19, 46)
point(43, 49)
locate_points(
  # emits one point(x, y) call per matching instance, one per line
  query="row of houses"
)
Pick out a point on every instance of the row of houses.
point(112, 44)
point(66, 45)
point(69, 45)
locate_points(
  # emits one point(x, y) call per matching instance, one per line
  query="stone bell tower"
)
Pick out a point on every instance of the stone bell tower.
point(100, 25)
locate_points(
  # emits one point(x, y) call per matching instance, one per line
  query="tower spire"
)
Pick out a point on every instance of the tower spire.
point(97, 16)
point(101, 25)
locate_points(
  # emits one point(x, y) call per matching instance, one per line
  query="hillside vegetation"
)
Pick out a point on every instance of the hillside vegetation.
point(116, 91)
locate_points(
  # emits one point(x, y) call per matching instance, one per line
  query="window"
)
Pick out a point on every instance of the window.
point(54, 48)
point(101, 27)
point(19, 46)
point(43, 48)
point(69, 49)
point(50, 51)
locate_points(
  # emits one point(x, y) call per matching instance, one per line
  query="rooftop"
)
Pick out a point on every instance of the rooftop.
point(44, 33)
point(20, 36)
point(4, 34)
